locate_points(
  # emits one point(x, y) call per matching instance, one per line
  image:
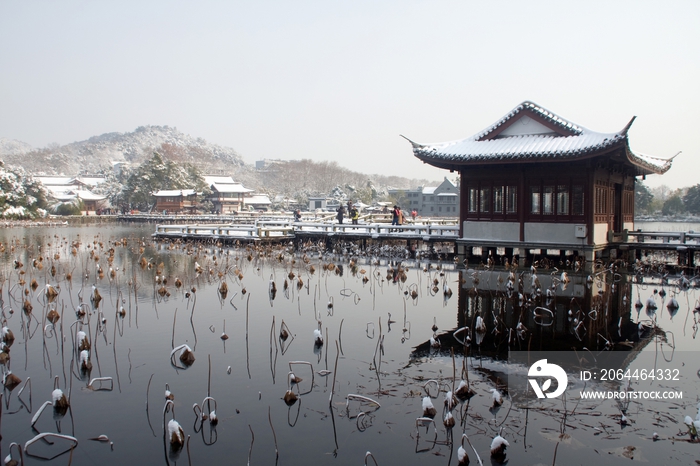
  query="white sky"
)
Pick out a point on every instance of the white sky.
point(340, 80)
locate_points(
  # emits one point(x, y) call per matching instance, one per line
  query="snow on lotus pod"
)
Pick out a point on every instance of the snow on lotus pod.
point(463, 392)
point(175, 434)
point(59, 399)
point(497, 398)
point(7, 336)
point(462, 457)
point(85, 363)
point(498, 448)
point(83, 342)
point(428, 408)
point(318, 338)
point(449, 420)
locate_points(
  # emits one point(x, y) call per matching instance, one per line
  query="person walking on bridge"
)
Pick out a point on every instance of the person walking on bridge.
point(341, 214)
point(396, 216)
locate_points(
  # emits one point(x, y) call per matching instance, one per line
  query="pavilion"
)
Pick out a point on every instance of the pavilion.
point(536, 183)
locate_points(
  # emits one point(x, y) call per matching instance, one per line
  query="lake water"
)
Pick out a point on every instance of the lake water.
point(351, 298)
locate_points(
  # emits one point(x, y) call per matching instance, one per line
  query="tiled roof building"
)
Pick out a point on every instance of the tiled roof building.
point(536, 180)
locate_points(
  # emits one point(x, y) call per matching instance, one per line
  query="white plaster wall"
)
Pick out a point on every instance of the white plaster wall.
point(629, 226)
point(552, 233)
point(600, 233)
point(498, 231)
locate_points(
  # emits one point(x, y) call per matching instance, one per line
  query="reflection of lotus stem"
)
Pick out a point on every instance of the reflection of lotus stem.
point(39, 411)
point(49, 434)
point(359, 398)
point(370, 455)
point(274, 436)
point(252, 440)
point(26, 382)
point(433, 381)
point(311, 367)
point(102, 379)
point(19, 449)
point(335, 370)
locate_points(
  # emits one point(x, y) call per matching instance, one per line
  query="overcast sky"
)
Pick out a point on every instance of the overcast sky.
point(340, 80)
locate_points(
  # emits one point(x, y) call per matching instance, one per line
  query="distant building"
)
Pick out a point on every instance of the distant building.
point(258, 202)
point(318, 202)
point(71, 189)
point(176, 201)
point(430, 201)
point(534, 180)
point(227, 195)
point(267, 163)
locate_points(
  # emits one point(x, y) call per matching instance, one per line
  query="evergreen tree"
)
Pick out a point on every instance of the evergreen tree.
point(643, 198)
point(20, 195)
point(691, 200)
point(157, 174)
point(673, 205)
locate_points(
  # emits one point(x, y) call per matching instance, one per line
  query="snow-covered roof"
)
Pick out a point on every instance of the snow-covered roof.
point(174, 192)
point(54, 180)
point(258, 199)
point(71, 194)
point(89, 195)
point(429, 189)
point(63, 196)
point(447, 194)
point(230, 188)
point(212, 179)
point(530, 133)
point(92, 180)
point(58, 189)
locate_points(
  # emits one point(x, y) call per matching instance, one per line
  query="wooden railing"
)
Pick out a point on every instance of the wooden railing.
point(283, 228)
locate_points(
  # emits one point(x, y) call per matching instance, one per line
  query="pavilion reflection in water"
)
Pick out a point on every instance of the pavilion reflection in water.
point(580, 312)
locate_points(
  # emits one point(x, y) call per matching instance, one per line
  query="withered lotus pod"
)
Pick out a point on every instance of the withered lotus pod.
point(11, 381)
point(27, 307)
point(187, 357)
point(96, 298)
point(33, 284)
point(52, 316)
point(51, 293)
point(290, 397)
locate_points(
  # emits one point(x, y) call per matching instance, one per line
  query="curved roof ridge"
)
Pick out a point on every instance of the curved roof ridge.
point(545, 114)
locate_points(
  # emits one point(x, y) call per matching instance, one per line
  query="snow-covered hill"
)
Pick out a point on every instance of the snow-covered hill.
point(99, 153)
point(13, 147)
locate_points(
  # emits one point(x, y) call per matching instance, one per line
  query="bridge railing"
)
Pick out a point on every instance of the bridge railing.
point(285, 227)
point(679, 237)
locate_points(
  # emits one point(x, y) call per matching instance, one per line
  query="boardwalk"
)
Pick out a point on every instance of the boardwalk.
point(276, 230)
point(679, 247)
